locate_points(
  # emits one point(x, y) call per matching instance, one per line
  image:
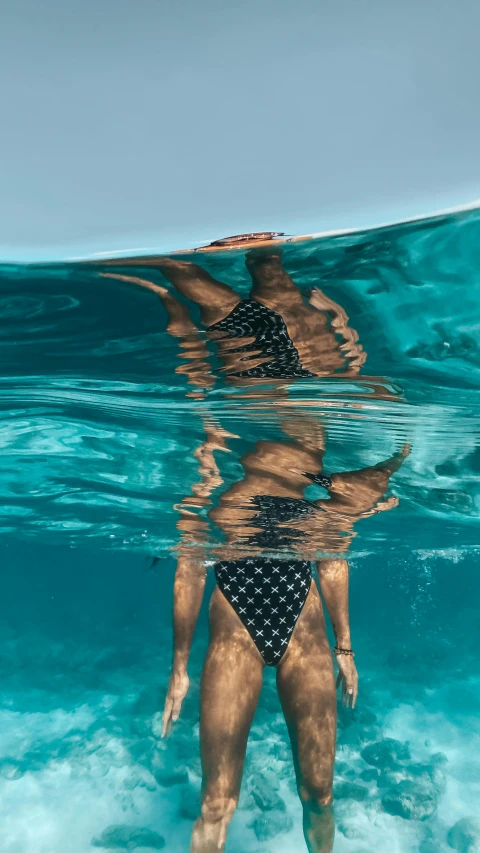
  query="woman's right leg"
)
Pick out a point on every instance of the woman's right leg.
point(231, 683)
point(215, 298)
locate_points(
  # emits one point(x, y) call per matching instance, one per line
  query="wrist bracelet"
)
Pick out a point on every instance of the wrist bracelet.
point(348, 652)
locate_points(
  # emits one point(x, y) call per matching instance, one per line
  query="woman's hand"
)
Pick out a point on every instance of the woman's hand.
point(177, 690)
point(348, 678)
point(388, 503)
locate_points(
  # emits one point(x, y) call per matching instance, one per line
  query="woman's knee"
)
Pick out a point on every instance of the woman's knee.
point(316, 792)
point(216, 809)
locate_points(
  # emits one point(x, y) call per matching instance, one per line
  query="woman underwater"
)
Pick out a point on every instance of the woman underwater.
point(266, 610)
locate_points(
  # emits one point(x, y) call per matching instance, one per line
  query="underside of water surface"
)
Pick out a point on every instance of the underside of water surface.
point(146, 411)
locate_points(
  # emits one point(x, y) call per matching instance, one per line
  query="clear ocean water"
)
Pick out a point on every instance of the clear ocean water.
point(105, 422)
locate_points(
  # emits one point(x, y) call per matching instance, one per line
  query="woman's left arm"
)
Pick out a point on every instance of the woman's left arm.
point(333, 576)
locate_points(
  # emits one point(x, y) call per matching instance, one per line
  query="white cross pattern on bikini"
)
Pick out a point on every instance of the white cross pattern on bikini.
point(252, 319)
point(269, 619)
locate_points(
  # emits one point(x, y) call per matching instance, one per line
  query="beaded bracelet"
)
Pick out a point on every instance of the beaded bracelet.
point(348, 652)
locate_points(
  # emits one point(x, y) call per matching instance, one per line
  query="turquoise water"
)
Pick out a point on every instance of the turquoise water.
point(103, 419)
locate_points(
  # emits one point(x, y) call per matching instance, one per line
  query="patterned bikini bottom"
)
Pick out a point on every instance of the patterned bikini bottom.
point(268, 596)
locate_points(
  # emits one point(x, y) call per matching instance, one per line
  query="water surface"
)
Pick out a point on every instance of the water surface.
point(121, 440)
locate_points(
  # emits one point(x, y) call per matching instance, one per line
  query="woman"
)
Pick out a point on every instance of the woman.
point(265, 610)
point(275, 334)
point(268, 611)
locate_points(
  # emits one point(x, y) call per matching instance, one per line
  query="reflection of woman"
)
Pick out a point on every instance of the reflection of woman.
point(276, 333)
point(268, 611)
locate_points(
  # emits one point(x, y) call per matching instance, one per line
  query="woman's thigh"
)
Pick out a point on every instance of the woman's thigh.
point(215, 298)
point(306, 686)
point(231, 684)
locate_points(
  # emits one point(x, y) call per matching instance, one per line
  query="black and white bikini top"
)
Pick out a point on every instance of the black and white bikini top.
point(252, 319)
point(274, 511)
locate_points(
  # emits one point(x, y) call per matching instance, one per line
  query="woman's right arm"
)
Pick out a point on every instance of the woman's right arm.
point(188, 593)
point(195, 353)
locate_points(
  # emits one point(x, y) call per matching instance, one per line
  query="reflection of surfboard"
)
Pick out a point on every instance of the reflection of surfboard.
point(245, 241)
point(254, 236)
point(239, 241)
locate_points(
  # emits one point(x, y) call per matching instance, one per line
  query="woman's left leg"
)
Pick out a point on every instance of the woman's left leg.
point(306, 687)
point(271, 284)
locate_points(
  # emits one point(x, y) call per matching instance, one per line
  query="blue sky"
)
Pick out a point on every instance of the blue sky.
point(161, 124)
